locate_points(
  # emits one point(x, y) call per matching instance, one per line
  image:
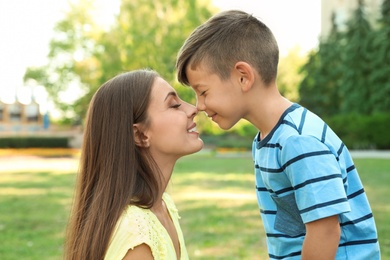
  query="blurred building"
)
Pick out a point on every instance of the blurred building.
point(17, 117)
point(343, 10)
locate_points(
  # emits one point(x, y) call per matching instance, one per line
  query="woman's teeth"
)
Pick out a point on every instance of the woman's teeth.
point(192, 130)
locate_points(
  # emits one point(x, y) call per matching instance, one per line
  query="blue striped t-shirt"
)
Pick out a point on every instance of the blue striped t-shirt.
point(303, 173)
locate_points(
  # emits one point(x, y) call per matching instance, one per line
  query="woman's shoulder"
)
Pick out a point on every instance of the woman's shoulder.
point(134, 216)
point(136, 226)
point(170, 204)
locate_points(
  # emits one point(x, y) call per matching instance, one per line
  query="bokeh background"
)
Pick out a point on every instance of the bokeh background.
point(335, 60)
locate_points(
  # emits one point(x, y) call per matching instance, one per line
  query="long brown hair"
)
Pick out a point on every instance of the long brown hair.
point(114, 172)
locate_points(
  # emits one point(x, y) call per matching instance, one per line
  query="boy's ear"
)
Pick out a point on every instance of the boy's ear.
point(245, 75)
point(140, 138)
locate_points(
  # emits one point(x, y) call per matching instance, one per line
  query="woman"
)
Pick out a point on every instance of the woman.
point(136, 129)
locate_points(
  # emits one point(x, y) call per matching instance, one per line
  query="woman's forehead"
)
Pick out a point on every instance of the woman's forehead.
point(161, 90)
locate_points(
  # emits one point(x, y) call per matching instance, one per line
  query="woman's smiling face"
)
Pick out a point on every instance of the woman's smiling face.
point(171, 128)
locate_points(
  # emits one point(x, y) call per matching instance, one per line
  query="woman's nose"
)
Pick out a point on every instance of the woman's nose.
point(191, 110)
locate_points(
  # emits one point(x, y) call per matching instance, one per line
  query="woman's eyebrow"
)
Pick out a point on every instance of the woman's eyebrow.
point(172, 93)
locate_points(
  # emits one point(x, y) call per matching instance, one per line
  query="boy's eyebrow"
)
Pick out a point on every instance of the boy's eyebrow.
point(172, 93)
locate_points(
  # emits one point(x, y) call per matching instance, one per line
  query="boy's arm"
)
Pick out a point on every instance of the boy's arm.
point(322, 239)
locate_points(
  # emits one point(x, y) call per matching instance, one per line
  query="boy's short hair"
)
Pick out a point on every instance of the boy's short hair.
point(225, 39)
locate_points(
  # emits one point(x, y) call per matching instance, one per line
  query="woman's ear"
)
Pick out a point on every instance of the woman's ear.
point(245, 75)
point(140, 138)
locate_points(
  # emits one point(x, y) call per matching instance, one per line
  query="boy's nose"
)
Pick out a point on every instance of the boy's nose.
point(200, 105)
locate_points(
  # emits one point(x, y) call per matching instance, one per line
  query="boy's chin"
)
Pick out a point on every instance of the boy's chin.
point(226, 123)
point(225, 126)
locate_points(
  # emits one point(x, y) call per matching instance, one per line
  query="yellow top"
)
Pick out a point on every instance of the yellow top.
point(137, 226)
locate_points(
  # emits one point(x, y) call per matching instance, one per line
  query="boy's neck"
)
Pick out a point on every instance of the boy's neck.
point(267, 107)
point(274, 115)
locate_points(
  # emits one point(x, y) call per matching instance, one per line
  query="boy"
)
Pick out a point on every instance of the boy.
point(311, 200)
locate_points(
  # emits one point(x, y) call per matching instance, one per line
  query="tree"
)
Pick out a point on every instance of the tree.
point(71, 58)
point(146, 34)
point(355, 86)
point(349, 72)
point(288, 73)
point(379, 76)
point(319, 89)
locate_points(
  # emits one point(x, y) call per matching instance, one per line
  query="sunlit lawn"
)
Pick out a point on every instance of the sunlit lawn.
point(215, 197)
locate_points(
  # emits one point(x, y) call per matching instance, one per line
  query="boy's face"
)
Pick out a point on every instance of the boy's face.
point(221, 100)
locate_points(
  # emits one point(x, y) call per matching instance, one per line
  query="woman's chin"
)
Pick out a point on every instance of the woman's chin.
point(197, 148)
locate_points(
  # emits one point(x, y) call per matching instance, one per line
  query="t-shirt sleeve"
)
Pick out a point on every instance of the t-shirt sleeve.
point(130, 232)
point(316, 178)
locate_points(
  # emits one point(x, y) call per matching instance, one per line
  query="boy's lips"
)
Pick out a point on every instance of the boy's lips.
point(213, 116)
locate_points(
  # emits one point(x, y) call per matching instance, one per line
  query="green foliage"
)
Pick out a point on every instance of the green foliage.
point(319, 89)
point(71, 59)
point(288, 73)
point(228, 140)
point(34, 142)
point(355, 86)
point(145, 34)
point(379, 76)
point(362, 131)
point(349, 71)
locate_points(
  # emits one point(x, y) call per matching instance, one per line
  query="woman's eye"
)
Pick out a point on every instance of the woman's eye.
point(202, 93)
point(176, 105)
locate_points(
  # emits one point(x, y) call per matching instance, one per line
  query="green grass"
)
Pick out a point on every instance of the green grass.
point(215, 197)
point(375, 175)
point(33, 214)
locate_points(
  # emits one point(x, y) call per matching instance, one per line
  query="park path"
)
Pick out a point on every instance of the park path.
point(28, 163)
point(371, 154)
point(70, 164)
